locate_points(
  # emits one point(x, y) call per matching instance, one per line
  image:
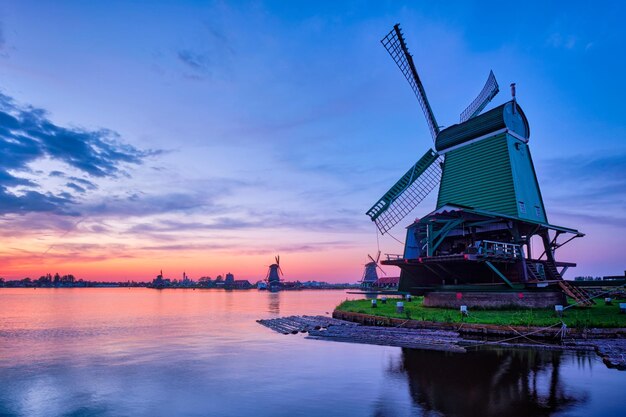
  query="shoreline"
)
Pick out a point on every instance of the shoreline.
point(608, 343)
point(175, 288)
point(478, 329)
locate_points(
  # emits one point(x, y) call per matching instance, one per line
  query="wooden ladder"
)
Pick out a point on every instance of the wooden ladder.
point(532, 273)
point(578, 294)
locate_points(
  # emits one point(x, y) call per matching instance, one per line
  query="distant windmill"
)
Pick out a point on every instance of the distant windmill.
point(273, 275)
point(370, 273)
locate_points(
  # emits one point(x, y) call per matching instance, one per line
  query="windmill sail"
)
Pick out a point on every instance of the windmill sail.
point(395, 45)
point(408, 192)
point(375, 262)
point(488, 92)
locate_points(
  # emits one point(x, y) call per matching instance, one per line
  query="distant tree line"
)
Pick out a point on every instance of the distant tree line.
point(58, 280)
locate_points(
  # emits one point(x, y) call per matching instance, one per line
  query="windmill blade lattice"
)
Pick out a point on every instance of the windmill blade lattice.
point(488, 92)
point(408, 192)
point(396, 46)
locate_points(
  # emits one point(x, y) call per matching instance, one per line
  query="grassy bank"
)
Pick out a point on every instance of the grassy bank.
point(599, 315)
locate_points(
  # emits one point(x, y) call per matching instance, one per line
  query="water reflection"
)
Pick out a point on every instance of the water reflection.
point(488, 383)
point(274, 302)
point(140, 352)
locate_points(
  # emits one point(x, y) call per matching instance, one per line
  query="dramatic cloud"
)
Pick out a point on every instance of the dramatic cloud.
point(27, 135)
point(33, 201)
point(12, 181)
point(84, 183)
point(76, 188)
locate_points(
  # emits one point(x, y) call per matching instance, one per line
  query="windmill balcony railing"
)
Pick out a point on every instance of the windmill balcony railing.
point(498, 249)
point(394, 257)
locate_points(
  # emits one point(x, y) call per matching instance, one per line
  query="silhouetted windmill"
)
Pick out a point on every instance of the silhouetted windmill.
point(370, 273)
point(273, 275)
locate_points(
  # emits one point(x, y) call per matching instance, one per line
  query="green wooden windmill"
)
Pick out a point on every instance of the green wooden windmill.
point(489, 205)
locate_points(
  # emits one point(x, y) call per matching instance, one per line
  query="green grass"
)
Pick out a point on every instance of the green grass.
point(599, 315)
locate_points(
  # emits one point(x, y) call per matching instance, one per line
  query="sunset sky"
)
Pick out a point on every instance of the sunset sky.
point(208, 137)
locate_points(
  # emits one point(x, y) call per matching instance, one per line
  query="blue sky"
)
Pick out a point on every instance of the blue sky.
point(225, 132)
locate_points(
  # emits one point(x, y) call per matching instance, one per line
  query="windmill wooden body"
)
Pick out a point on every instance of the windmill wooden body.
point(370, 273)
point(273, 275)
point(475, 247)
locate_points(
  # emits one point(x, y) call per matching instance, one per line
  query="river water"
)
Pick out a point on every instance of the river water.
point(142, 352)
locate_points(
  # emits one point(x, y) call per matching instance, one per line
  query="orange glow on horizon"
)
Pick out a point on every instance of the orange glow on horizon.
point(340, 265)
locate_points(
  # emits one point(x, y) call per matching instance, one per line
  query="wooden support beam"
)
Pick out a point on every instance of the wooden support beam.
point(494, 269)
point(441, 234)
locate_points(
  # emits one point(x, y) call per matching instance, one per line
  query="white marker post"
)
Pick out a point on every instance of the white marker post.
point(558, 310)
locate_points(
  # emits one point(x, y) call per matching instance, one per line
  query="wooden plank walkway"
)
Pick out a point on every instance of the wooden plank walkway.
point(302, 324)
point(392, 336)
point(326, 328)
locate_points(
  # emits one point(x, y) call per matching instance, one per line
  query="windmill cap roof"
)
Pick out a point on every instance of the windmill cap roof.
point(506, 116)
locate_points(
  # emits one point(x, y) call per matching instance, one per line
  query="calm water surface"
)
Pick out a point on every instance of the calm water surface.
point(142, 352)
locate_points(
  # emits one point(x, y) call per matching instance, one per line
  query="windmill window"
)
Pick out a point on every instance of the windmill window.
point(537, 211)
point(522, 207)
